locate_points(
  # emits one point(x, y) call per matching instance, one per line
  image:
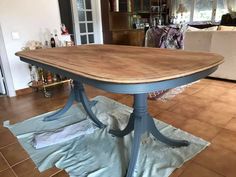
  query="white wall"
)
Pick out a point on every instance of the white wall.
point(6, 67)
point(31, 18)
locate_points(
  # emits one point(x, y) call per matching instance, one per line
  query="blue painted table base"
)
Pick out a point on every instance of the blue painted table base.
point(77, 94)
point(141, 122)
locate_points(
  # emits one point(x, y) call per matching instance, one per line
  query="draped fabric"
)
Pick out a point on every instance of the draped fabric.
point(172, 38)
point(153, 37)
point(165, 37)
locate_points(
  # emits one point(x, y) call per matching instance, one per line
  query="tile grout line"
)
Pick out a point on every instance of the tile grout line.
point(168, 109)
point(8, 165)
point(217, 126)
point(221, 146)
point(56, 173)
point(221, 129)
point(14, 172)
point(209, 123)
point(20, 162)
point(15, 163)
point(209, 169)
point(232, 131)
point(5, 162)
point(185, 168)
point(233, 117)
point(8, 144)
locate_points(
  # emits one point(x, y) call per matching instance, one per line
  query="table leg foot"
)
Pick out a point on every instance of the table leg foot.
point(141, 122)
point(68, 104)
point(159, 136)
point(129, 128)
point(92, 103)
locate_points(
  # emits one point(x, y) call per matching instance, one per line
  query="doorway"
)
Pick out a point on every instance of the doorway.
point(6, 81)
point(87, 21)
point(2, 82)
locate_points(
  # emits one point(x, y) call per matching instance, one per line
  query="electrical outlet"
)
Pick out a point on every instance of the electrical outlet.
point(15, 35)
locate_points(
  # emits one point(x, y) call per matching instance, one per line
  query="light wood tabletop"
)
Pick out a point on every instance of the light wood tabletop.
point(124, 64)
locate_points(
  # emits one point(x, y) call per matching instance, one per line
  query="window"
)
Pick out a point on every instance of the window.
point(200, 10)
point(185, 15)
point(85, 17)
point(203, 10)
point(220, 10)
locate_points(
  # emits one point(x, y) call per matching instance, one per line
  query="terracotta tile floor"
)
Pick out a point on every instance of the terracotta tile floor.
point(206, 109)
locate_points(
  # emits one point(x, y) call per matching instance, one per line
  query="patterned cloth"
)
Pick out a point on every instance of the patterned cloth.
point(165, 37)
point(153, 37)
point(172, 38)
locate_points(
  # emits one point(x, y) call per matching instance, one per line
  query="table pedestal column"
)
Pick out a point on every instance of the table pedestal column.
point(141, 122)
point(77, 94)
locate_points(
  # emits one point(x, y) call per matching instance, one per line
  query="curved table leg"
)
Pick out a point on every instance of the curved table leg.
point(81, 97)
point(140, 127)
point(68, 104)
point(129, 128)
point(138, 131)
point(159, 136)
point(141, 122)
point(77, 94)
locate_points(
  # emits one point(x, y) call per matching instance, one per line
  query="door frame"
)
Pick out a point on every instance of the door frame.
point(2, 82)
point(4, 62)
point(97, 18)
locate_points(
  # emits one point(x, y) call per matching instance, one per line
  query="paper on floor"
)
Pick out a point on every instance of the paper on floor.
point(61, 135)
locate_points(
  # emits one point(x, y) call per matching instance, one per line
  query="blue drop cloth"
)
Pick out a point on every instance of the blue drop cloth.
point(101, 155)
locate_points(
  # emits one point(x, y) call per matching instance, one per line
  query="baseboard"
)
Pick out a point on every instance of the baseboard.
point(24, 91)
point(221, 79)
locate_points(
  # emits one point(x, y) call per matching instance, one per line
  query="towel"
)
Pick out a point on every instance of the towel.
point(60, 135)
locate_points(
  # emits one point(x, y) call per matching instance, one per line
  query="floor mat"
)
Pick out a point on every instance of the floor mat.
point(100, 154)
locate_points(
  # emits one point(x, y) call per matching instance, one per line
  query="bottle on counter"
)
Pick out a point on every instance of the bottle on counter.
point(52, 41)
point(54, 77)
point(57, 41)
point(34, 74)
point(49, 78)
point(47, 44)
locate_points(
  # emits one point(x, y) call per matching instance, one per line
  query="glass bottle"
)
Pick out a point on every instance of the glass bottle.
point(52, 41)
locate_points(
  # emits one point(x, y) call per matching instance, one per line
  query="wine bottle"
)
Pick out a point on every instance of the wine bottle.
point(52, 41)
point(49, 78)
point(58, 42)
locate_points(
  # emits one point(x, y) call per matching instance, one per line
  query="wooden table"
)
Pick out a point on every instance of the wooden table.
point(127, 70)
